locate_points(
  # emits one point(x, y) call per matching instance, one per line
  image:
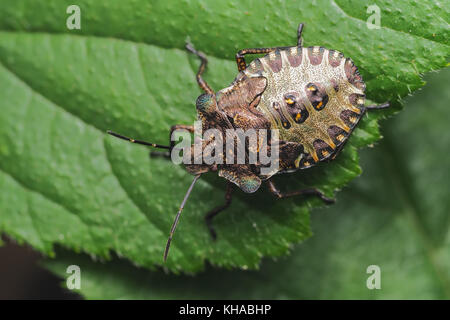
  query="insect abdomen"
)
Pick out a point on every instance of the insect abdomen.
point(314, 96)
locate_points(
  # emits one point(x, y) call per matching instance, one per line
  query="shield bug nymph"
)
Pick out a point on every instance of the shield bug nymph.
point(313, 96)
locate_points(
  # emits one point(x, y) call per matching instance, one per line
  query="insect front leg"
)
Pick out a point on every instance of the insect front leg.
point(204, 61)
point(214, 212)
point(310, 191)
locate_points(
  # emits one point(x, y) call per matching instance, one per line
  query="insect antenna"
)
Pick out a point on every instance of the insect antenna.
point(137, 141)
point(177, 217)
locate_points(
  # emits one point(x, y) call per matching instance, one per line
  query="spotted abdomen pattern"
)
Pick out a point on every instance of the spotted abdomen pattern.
point(314, 96)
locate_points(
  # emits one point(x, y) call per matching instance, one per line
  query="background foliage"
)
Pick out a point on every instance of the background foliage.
point(63, 181)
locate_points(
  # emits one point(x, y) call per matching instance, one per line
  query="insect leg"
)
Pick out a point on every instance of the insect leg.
point(311, 191)
point(210, 215)
point(377, 107)
point(240, 59)
point(299, 35)
point(240, 56)
point(202, 83)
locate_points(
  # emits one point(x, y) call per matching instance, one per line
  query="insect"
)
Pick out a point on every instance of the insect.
point(313, 96)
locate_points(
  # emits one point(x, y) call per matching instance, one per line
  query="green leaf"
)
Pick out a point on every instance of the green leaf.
point(394, 216)
point(63, 181)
